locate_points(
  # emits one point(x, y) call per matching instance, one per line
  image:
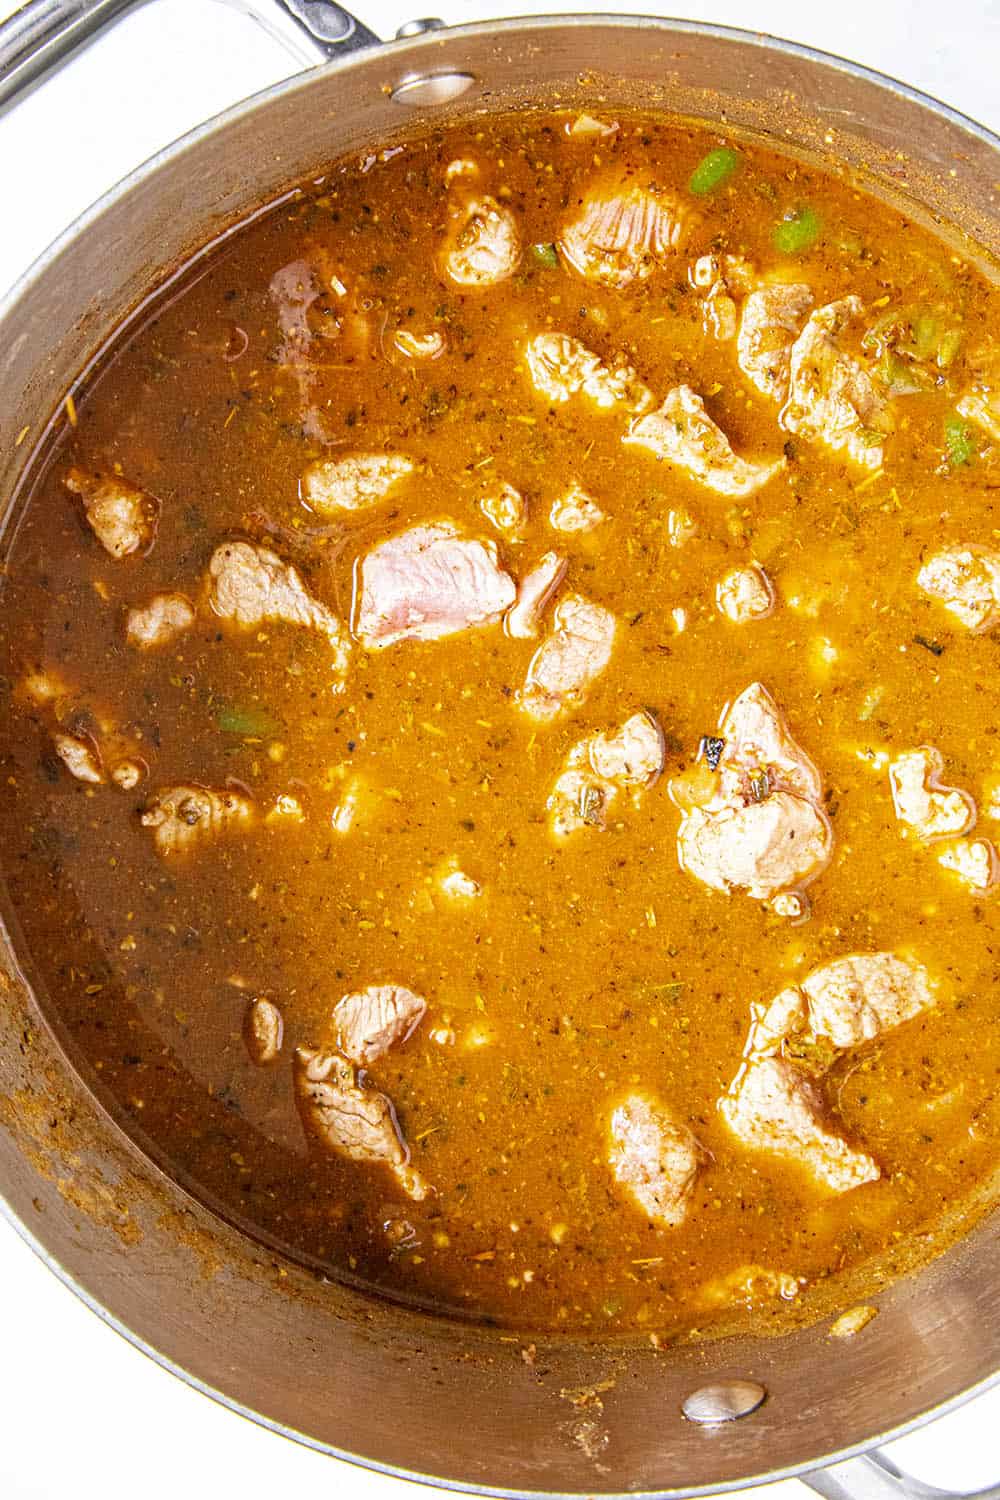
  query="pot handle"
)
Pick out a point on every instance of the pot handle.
point(44, 33)
point(873, 1476)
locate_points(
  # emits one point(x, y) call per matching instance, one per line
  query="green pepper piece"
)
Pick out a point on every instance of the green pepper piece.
point(958, 442)
point(713, 170)
point(545, 255)
point(797, 231)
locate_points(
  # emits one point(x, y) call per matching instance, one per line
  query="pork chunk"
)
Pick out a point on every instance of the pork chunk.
point(926, 806)
point(182, 817)
point(632, 755)
point(681, 433)
point(570, 659)
point(354, 1122)
point(832, 399)
point(847, 1002)
point(623, 233)
point(654, 1159)
point(534, 593)
point(342, 486)
point(250, 586)
point(773, 1107)
point(770, 322)
point(79, 756)
point(159, 621)
point(561, 367)
point(966, 580)
point(506, 509)
point(598, 767)
point(975, 863)
point(764, 829)
point(744, 595)
point(757, 739)
point(762, 848)
point(263, 1031)
point(123, 518)
point(372, 1020)
point(483, 246)
point(429, 582)
point(982, 408)
point(575, 512)
point(858, 997)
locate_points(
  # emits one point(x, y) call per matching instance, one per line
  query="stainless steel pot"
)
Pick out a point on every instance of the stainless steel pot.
point(354, 1376)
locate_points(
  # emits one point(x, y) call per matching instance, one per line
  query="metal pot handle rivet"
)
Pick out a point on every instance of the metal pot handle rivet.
point(726, 1401)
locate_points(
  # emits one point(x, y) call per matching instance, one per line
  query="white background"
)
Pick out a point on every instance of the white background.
point(82, 1412)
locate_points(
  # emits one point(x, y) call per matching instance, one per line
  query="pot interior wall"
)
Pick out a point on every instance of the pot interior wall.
point(403, 1390)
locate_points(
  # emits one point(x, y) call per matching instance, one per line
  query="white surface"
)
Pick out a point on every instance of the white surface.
point(67, 1383)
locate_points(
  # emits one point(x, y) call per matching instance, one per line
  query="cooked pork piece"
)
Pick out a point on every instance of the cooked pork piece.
point(263, 1031)
point(722, 280)
point(849, 1001)
point(80, 757)
point(483, 246)
point(372, 1020)
point(966, 579)
point(681, 527)
point(570, 659)
point(770, 322)
point(832, 399)
point(183, 816)
point(983, 410)
point(159, 621)
point(355, 1122)
point(974, 861)
point(762, 848)
point(534, 594)
point(430, 582)
point(922, 801)
point(575, 511)
point(123, 518)
point(774, 1107)
point(250, 586)
point(632, 755)
point(561, 367)
point(598, 767)
point(506, 509)
point(858, 997)
point(745, 594)
point(654, 1159)
point(622, 233)
point(579, 799)
point(127, 774)
point(758, 739)
point(341, 486)
point(764, 829)
point(682, 433)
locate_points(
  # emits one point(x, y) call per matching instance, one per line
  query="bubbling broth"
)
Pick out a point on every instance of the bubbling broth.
point(499, 735)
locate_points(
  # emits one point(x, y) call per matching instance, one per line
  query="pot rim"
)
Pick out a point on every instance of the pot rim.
point(534, 24)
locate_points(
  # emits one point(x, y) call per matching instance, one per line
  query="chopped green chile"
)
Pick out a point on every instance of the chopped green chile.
point(960, 447)
point(321, 816)
point(713, 170)
point(797, 232)
point(251, 722)
point(545, 255)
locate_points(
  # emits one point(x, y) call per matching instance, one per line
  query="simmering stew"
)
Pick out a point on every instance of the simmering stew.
point(500, 761)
